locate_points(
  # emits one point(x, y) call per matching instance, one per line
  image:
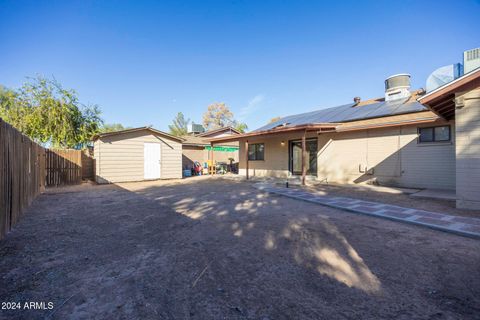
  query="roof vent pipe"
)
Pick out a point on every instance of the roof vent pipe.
point(397, 87)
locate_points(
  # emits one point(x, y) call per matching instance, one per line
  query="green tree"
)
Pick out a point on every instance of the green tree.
point(179, 127)
point(112, 127)
point(7, 101)
point(218, 115)
point(49, 114)
point(240, 126)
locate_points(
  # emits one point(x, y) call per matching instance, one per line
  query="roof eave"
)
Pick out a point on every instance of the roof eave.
point(107, 134)
point(390, 124)
point(206, 133)
point(308, 127)
point(189, 144)
point(441, 100)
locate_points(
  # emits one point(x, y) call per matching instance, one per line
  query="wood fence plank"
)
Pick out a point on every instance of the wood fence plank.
point(26, 168)
point(22, 177)
point(64, 167)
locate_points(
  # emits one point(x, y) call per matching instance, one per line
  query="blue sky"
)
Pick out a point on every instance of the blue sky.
point(142, 61)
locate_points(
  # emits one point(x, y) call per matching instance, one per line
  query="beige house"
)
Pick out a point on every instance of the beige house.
point(407, 139)
point(459, 101)
point(137, 154)
point(197, 147)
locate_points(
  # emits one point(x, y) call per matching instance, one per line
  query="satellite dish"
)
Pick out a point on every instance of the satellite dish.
point(443, 75)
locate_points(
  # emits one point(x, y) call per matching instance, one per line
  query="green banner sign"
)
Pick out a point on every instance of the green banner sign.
point(225, 149)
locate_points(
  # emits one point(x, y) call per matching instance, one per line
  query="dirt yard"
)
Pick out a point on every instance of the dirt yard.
point(208, 248)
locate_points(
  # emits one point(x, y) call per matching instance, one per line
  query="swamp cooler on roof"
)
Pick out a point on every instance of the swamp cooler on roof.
point(446, 74)
point(397, 87)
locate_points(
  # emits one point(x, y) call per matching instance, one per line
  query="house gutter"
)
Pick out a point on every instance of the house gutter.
point(308, 127)
point(390, 124)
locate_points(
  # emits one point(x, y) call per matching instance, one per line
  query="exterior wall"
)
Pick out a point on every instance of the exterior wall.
point(191, 154)
point(275, 163)
point(194, 153)
point(467, 117)
point(219, 135)
point(119, 158)
point(390, 156)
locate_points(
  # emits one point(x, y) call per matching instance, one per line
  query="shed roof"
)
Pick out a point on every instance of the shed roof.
point(113, 133)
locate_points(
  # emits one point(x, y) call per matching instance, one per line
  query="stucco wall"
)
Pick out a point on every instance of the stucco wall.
point(119, 158)
point(390, 156)
point(194, 153)
point(275, 161)
point(467, 117)
point(191, 154)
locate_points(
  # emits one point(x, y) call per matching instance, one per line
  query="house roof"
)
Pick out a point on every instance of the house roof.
point(441, 100)
point(219, 130)
point(369, 109)
point(113, 133)
point(195, 141)
point(373, 113)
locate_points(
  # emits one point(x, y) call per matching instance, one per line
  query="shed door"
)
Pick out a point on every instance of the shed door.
point(151, 160)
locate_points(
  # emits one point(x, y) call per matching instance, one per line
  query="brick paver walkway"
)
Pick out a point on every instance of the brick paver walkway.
point(464, 226)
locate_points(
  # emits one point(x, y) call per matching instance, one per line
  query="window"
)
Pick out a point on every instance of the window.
point(442, 133)
point(426, 134)
point(256, 151)
point(434, 134)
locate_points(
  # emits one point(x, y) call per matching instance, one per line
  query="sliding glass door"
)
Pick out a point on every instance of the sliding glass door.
point(295, 156)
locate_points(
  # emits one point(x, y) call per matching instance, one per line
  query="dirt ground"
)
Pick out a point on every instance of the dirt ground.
point(207, 248)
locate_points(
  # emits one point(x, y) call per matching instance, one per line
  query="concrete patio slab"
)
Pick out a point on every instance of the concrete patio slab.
point(436, 194)
point(312, 181)
point(384, 189)
point(464, 226)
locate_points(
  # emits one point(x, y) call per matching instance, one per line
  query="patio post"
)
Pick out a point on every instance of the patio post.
point(211, 168)
point(246, 158)
point(304, 157)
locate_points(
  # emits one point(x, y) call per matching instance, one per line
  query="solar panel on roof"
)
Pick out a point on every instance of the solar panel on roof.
point(347, 113)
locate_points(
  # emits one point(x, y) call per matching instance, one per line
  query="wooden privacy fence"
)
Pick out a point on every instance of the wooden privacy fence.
point(26, 168)
point(68, 166)
point(22, 174)
point(88, 166)
point(63, 167)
